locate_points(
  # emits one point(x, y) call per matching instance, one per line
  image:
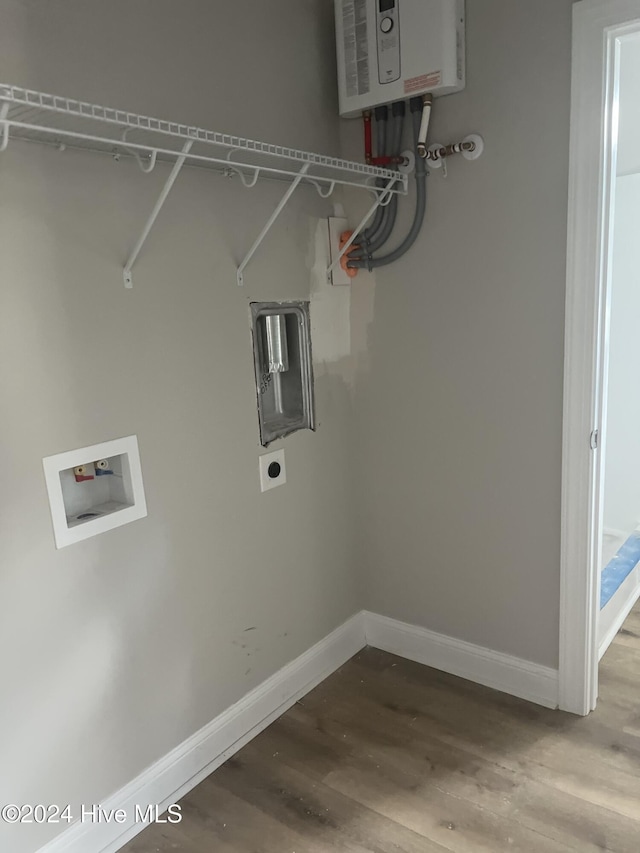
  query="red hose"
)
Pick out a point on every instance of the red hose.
point(366, 118)
point(387, 161)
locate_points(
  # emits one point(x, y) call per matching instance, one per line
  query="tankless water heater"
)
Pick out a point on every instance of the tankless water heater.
point(391, 50)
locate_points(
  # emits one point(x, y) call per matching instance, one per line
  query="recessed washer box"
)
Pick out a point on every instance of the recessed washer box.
point(94, 489)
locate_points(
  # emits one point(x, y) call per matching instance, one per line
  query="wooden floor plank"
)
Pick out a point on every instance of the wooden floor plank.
point(324, 816)
point(388, 756)
point(437, 773)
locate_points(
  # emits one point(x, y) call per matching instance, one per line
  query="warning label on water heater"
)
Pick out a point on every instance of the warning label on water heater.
point(424, 81)
point(356, 47)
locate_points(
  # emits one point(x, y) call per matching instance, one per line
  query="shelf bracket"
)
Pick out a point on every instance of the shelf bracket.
point(175, 171)
point(382, 199)
point(270, 221)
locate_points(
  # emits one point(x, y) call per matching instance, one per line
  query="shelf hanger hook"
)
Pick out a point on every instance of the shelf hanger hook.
point(323, 193)
point(4, 140)
point(252, 182)
point(385, 196)
point(144, 166)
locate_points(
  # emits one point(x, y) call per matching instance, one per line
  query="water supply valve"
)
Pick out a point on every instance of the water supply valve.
point(81, 473)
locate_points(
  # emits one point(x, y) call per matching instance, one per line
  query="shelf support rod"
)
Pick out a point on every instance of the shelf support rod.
point(381, 199)
point(175, 171)
point(4, 126)
point(276, 213)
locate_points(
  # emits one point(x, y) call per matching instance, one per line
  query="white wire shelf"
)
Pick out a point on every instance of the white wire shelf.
point(38, 117)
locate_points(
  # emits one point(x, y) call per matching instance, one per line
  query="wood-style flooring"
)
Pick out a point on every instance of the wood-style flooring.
point(388, 756)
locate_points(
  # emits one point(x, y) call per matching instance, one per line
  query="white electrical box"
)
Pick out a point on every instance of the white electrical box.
point(392, 50)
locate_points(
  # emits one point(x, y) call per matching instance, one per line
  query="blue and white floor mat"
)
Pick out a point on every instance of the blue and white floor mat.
point(619, 567)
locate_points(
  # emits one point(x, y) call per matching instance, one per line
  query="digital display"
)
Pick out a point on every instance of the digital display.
point(387, 5)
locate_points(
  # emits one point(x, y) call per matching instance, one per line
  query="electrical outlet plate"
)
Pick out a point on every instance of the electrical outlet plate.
point(337, 225)
point(267, 480)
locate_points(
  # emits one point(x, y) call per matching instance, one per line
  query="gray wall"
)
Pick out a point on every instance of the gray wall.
point(123, 645)
point(459, 399)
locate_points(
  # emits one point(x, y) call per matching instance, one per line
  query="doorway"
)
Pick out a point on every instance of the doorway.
point(606, 40)
point(620, 531)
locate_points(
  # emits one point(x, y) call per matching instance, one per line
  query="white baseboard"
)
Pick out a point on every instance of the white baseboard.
point(170, 778)
point(503, 672)
point(189, 763)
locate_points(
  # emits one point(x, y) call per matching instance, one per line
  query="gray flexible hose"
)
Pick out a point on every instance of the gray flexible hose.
point(381, 147)
point(390, 210)
point(372, 239)
point(421, 207)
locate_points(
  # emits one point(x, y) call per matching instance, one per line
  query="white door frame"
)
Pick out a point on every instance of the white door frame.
point(597, 27)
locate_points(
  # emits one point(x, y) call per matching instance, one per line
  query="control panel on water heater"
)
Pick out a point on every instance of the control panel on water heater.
point(388, 41)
